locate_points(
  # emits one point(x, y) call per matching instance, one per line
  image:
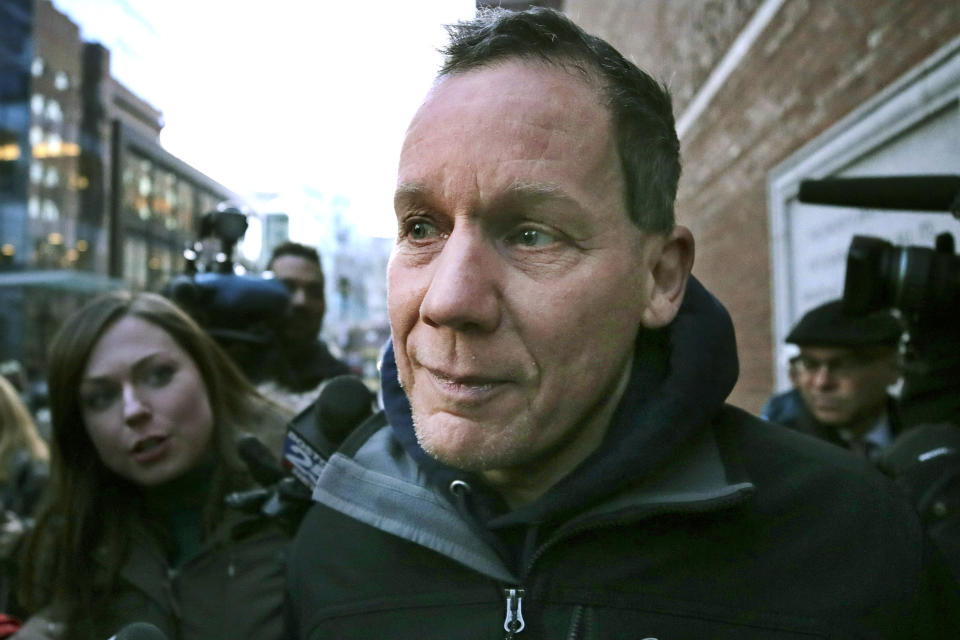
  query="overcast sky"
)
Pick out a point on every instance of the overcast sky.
point(269, 96)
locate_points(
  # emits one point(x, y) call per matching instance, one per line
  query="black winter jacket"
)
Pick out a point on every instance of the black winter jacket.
point(692, 520)
point(232, 588)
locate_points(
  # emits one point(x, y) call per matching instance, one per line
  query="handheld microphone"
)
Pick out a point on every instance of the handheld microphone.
point(314, 434)
point(265, 469)
point(263, 465)
point(140, 631)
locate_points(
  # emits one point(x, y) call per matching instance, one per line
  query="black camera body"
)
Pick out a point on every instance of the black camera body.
point(220, 231)
point(920, 282)
point(923, 285)
point(243, 313)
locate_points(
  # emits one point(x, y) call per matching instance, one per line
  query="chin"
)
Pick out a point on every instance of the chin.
point(470, 447)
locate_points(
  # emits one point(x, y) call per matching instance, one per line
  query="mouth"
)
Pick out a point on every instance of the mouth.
point(824, 410)
point(824, 402)
point(149, 448)
point(466, 388)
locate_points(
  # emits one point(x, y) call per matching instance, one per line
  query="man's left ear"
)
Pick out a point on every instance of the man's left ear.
point(673, 260)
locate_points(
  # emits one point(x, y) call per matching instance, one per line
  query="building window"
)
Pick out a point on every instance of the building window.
point(33, 207)
point(208, 202)
point(36, 172)
point(54, 112)
point(185, 197)
point(135, 262)
point(52, 178)
point(164, 198)
point(36, 104)
point(49, 211)
point(160, 268)
point(36, 135)
point(137, 187)
point(60, 81)
point(37, 67)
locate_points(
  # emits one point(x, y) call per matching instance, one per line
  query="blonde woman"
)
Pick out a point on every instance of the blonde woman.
point(23, 454)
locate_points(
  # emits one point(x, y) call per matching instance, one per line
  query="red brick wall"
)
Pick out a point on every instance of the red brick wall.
point(816, 61)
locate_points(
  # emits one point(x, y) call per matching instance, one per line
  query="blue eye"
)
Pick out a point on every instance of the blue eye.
point(532, 238)
point(158, 375)
point(99, 398)
point(421, 230)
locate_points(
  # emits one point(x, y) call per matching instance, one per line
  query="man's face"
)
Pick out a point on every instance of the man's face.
point(304, 280)
point(843, 387)
point(517, 284)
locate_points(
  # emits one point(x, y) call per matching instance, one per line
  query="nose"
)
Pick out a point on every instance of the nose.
point(298, 297)
point(464, 288)
point(135, 411)
point(822, 377)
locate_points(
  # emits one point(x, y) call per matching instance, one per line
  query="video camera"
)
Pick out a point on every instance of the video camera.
point(243, 313)
point(220, 231)
point(921, 283)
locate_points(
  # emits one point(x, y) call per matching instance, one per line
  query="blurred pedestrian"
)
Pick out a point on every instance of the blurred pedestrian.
point(146, 409)
point(23, 476)
point(23, 454)
point(844, 369)
point(785, 406)
point(303, 362)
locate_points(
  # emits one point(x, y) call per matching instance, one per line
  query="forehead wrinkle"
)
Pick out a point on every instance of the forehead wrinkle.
point(571, 140)
point(534, 193)
point(537, 191)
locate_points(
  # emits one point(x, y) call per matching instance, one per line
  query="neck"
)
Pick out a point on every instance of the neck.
point(176, 509)
point(188, 491)
point(859, 428)
point(520, 486)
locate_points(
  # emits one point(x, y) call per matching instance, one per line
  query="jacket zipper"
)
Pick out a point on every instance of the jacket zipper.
point(513, 623)
point(574, 631)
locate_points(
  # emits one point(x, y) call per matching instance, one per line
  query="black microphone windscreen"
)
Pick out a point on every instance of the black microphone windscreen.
point(140, 631)
point(344, 403)
point(315, 433)
point(910, 193)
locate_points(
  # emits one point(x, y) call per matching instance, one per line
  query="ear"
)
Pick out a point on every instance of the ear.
point(672, 261)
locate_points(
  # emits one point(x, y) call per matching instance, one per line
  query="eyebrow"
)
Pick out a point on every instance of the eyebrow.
point(139, 364)
point(411, 195)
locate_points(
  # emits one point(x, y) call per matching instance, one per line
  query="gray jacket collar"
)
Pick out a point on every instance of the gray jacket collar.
point(382, 486)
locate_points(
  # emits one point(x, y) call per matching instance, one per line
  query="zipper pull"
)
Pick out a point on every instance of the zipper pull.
point(513, 623)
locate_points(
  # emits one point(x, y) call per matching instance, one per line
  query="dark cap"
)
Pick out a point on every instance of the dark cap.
point(829, 325)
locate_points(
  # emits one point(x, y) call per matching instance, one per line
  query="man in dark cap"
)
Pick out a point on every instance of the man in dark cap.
point(845, 367)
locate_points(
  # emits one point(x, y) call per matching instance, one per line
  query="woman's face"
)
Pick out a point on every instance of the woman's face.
point(145, 404)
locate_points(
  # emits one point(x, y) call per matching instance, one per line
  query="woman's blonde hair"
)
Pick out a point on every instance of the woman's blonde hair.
point(17, 430)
